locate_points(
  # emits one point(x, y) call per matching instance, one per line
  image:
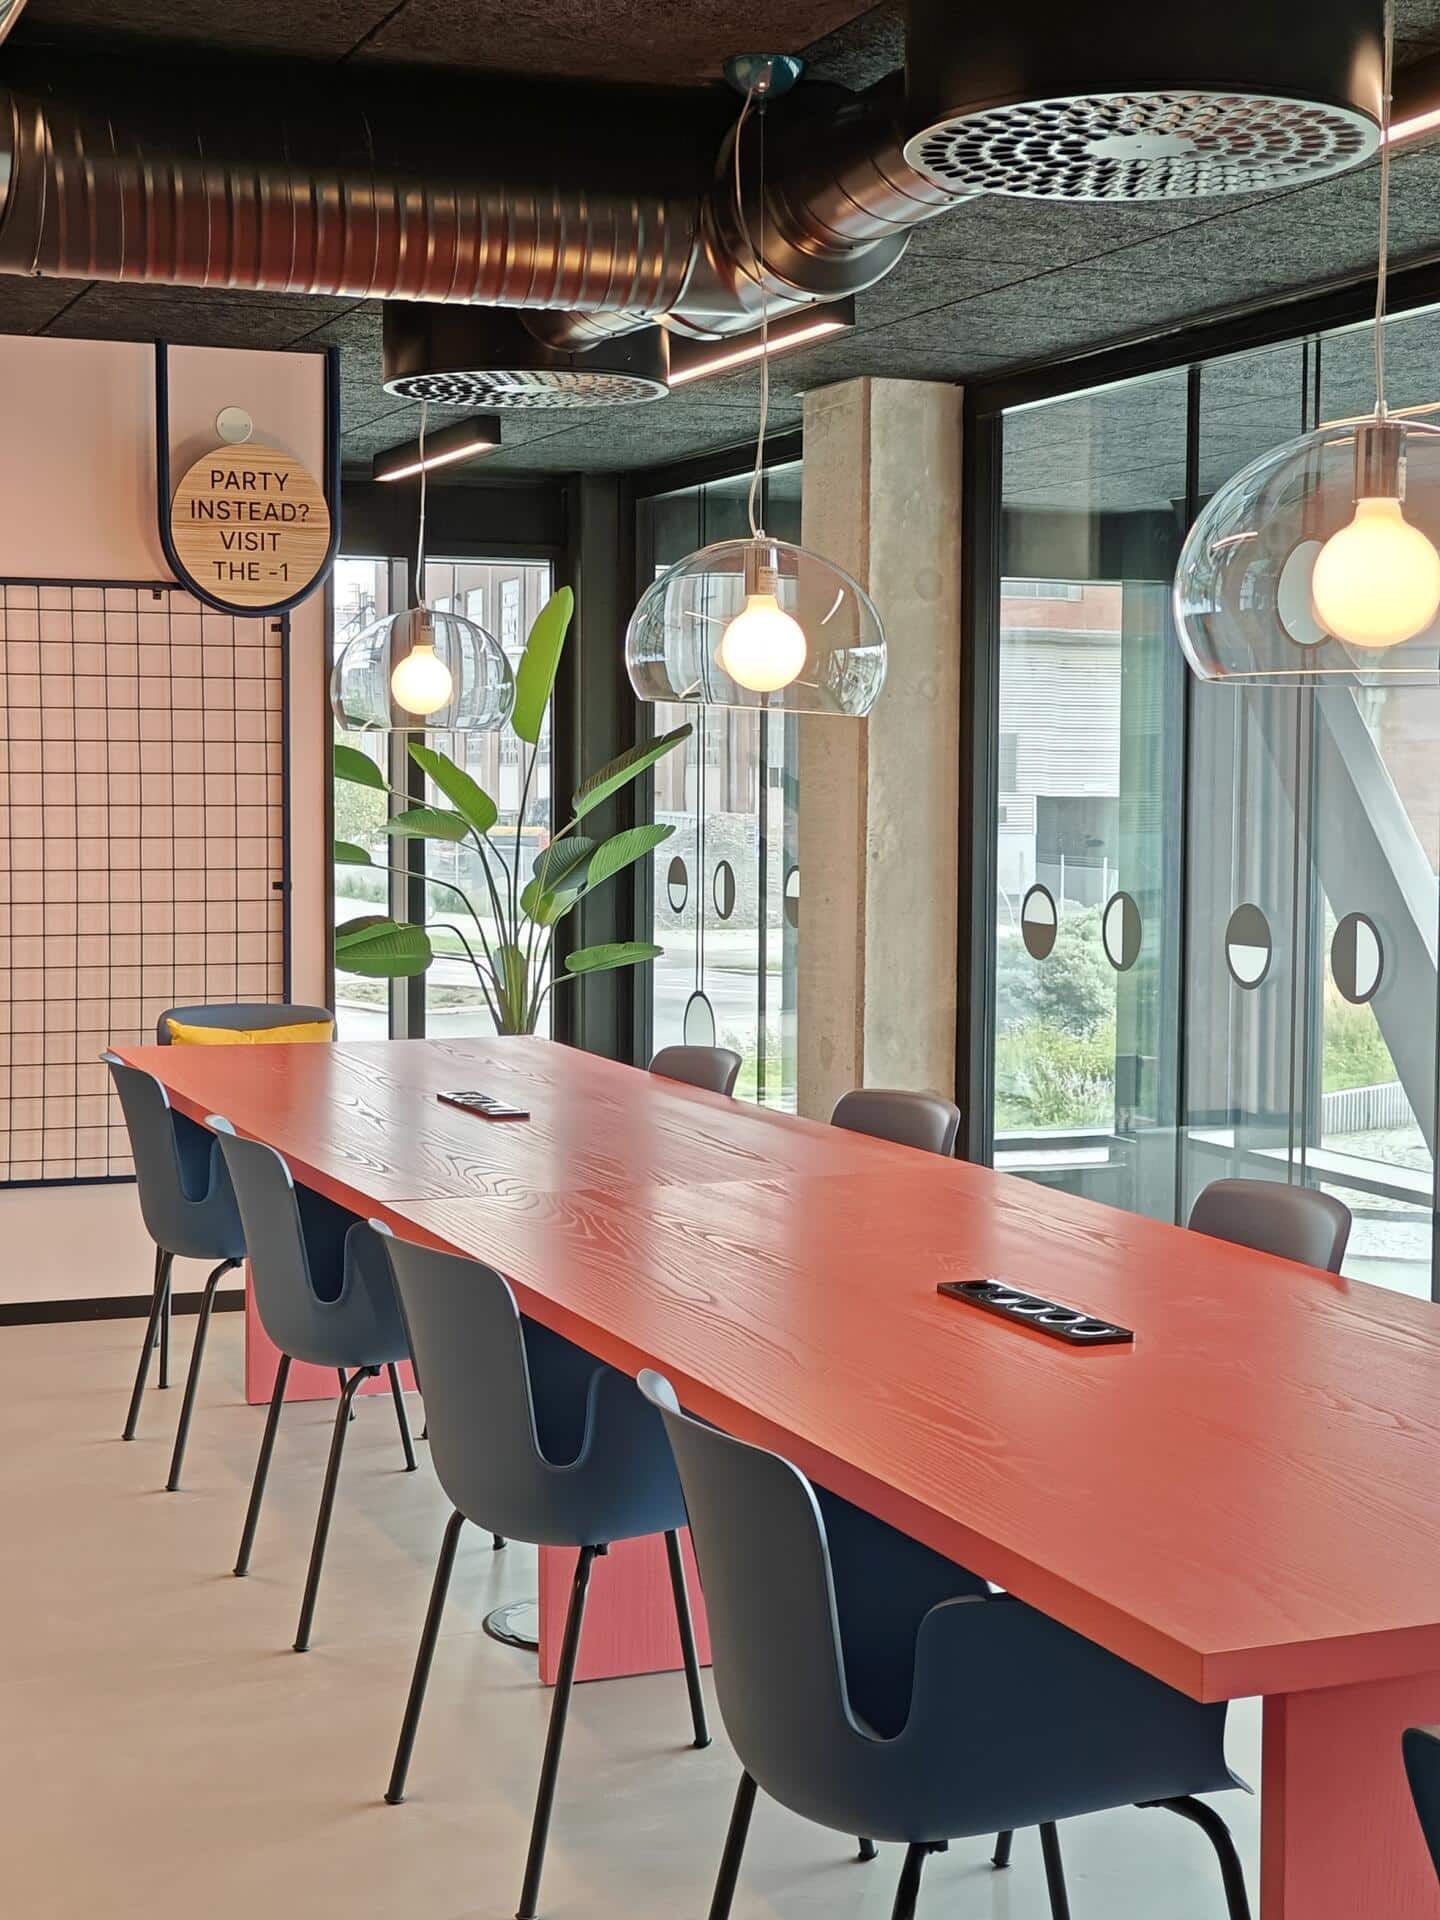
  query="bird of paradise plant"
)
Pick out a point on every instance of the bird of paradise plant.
point(512, 963)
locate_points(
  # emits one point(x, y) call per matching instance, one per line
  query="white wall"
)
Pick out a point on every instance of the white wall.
point(77, 502)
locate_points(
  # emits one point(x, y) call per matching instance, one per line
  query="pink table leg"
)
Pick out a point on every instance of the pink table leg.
point(629, 1612)
point(262, 1357)
point(1339, 1837)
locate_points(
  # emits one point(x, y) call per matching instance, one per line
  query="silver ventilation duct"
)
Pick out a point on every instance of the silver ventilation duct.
point(600, 213)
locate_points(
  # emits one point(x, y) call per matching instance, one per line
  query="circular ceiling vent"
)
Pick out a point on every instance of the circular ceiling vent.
point(542, 390)
point(486, 357)
point(1141, 146)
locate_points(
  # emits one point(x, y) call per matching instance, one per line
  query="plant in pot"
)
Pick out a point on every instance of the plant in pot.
point(511, 950)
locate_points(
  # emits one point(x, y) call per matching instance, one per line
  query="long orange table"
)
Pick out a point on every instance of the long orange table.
point(1245, 1501)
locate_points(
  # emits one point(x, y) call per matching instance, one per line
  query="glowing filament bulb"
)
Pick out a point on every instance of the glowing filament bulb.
point(421, 683)
point(763, 648)
point(1377, 581)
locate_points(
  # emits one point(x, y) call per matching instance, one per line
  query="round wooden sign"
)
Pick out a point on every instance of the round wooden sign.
point(251, 525)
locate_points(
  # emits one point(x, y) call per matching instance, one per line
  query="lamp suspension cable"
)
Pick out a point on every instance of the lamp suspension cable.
point(420, 538)
point(757, 274)
point(1383, 263)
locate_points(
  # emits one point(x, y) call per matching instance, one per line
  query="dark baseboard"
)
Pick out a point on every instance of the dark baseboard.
point(114, 1306)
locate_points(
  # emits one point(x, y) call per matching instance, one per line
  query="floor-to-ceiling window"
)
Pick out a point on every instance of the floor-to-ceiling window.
point(504, 596)
point(1217, 911)
point(1088, 780)
point(726, 883)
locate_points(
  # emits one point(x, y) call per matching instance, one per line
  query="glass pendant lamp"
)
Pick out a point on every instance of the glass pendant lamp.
point(422, 670)
point(758, 622)
point(1318, 563)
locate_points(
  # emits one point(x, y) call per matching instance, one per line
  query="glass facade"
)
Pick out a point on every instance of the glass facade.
point(1217, 910)
point(503, 596)
point(726, 884)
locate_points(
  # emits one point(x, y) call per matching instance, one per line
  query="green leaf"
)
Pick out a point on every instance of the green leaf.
point(347, 854)
point(623, 850)
point(563, 857)
point(512, 987)
point(619, 953)
point(351, 764)
point(467, 796)
point(546, 905)
point(540, 662)
point(427, 823)
point(380, 949)
point(620, 772)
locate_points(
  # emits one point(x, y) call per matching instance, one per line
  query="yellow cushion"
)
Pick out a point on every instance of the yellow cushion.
point(184, 1035)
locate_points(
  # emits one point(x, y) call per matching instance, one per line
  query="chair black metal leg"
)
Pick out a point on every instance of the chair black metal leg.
point(555, 1737)
point(192, 1378)
point(735, 1837)
point(164, 1379)
point(687, 1639)
point(158, 1294)
point(340, 1374)
point(868, 1850)
point(397, 1394)
point(1215, 1830)
point(1054, 1872)
point(327, 1505)
point(497, 1541)
point(908, 1891)
point(1003, 1843)
point(420, 1679)
point(262, 1466)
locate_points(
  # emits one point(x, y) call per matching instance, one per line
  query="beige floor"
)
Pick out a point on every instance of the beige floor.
point(163, 1754)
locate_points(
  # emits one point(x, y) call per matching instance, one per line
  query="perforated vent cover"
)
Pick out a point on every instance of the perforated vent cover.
point(1132, 146)
point(547, 389)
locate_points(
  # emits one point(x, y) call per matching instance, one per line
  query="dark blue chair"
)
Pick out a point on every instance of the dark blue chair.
point(921, 1120)
point(536, 1440)
point(716, 1069)
point(189, 1210)
point(1421, 1746)
point(876, 1688)
point(324, 1295)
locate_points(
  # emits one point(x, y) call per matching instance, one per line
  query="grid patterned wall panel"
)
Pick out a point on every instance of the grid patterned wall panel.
point(142, 837)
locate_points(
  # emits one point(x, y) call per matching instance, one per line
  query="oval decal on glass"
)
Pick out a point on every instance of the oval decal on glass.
point(1039, 922)
point(1248, 946)
point(1357, 958)
point(722, 890)
point(792, 896)
point(1120, 932)
point(677, 885)
point(699, 1021)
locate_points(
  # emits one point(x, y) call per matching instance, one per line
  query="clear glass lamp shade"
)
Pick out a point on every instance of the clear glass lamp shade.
point(1250, 605)
point(757, 623)
point(481, 686)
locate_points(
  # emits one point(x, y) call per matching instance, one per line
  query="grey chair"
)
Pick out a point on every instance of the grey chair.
point(922, 1120)
point(189, 1211)
point(716, 1069)
point(1421, 1747)
point(239, 1016)
point(873, 1687)
point(324, 1295)
point(539, 1441)
point(1296, 1223)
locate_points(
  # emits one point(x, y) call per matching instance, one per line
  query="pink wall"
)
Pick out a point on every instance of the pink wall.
point(77, 501)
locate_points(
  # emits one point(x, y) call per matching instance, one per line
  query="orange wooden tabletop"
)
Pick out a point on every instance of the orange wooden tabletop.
point(1242, 1502)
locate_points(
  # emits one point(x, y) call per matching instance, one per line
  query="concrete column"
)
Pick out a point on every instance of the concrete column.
point(879, 799)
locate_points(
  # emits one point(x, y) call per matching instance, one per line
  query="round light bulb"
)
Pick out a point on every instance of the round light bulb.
point(762, 648)
point(421, 683)
point(1377, 581)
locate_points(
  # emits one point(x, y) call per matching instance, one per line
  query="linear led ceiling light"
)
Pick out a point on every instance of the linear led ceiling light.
point(451, 447)
point(699, 362)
